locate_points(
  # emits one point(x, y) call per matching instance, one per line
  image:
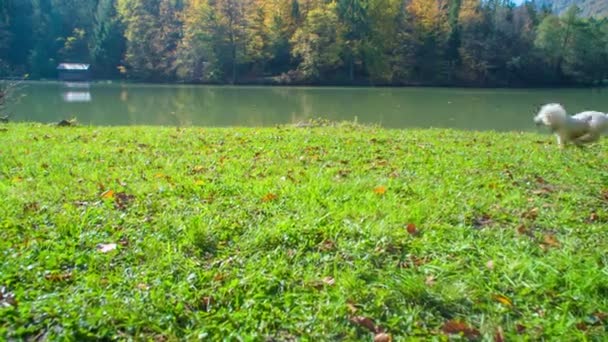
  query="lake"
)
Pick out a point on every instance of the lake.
point(107, 103)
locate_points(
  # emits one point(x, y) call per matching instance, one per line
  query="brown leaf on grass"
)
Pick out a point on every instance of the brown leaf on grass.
point(522, 230)
point(197, 169)
point(58, 277)
point(550, 240)
point(106, 247)
point(531, 214)
point(582, 326)
point(394, 174)
point(207, 302)
point(343, 173)
point(122, 200)
point(499, 335)
point(543, 191)
point(269, 197)
point(351, 307)
point(482, 221)
point(383, 337)
point(594, 217)
point(520, 328)
point(459, 327)
point(142, 286)
point(504, 300)
point(108, 194)
point(380, 190)
point(7, 298)
point(327, 245)
point(321, 284)
point(31, 207)
point(602, 316)
point(412, 229)
point(366, 323)
point(329, 281)
point(413, 261)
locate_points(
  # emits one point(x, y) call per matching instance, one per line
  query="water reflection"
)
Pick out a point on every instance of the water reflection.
point(179, 105)
point(76, 92)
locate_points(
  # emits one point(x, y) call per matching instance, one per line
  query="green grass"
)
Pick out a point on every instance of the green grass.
point(298, 233)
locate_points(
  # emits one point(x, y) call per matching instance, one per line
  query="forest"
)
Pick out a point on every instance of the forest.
point(347, 42)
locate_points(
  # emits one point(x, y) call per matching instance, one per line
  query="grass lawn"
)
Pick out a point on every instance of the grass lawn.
point(324, 233)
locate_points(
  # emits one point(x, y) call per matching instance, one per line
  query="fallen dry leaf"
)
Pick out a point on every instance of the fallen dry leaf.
point(365, 322)
point(602, 316)
point(550, 240)
point(380, 190)
point(522, 230)
point(198, 169)
point(58, 277)
point(329, 281)
point(531, 214)
point(351, 308)
point(106, 247)
point(594, 217)
point(383, 337)
point(484, 220)
point(108, 194)
point(459, 327)
point(207, 302)
point(411, 229)
point(499, 335)
point(143, 287)
point(269, 197)
point(7, 298)
point(503, 300)
point(122, 200)
point(327, 245)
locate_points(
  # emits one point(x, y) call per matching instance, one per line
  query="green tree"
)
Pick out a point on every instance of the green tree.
point(198, 52)
point(317, 43)
point(107, 42)
point(353, 15)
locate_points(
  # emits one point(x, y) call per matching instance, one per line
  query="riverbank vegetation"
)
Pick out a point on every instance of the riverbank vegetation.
point(387, 42)
point(323, 232)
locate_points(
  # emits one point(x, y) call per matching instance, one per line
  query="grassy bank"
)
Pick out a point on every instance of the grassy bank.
point(326, 233)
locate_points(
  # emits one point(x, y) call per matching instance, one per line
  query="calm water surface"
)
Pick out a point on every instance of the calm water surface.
point(142, 104)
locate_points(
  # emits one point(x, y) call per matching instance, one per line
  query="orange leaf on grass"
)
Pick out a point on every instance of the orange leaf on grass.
point(411, 229)
point(459, 327)
point(269, 197)
point(380, 190)
point(503, 300)
point(365, 322)
point(108, 194)
point(550, 240)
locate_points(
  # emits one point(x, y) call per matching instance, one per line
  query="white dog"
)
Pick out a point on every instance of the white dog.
point(579, 129)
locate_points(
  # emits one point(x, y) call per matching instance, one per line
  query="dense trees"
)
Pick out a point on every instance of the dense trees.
point(451, 42)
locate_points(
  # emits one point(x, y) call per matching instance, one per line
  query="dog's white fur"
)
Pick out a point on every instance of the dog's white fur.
point(585, 127)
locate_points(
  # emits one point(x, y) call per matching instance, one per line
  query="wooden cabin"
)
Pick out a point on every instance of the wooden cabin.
point(74, 72)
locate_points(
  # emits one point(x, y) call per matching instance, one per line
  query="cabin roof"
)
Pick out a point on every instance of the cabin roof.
point(73, 66)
